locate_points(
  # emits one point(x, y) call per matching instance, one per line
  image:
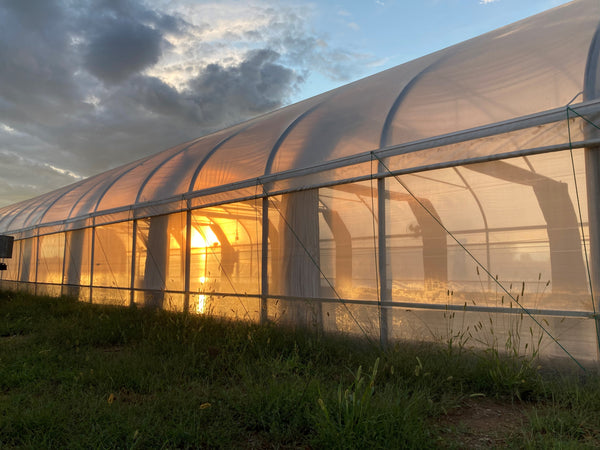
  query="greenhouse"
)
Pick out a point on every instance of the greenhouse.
point(453, 198)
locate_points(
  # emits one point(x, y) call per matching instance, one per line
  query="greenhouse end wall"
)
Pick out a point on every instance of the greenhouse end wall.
point(477, 255)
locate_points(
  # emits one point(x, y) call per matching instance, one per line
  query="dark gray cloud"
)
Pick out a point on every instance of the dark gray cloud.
point(36, 15)
point(256, 85)
point(36, 69)
point(136, 10)
point(122, 49)
point(85, 84)
point(124, 37)
point(144, 115)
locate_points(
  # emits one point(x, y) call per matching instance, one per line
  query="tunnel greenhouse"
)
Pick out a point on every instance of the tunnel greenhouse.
point(455, 195)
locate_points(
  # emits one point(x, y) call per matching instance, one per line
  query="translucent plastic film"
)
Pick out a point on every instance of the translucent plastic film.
point(519, 218)
point(225, 255)
point(160, 244)
point(527, 68)
point(51, 258)
point(112, 256)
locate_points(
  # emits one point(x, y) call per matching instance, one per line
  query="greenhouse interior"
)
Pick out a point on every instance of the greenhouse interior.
point(453, 198)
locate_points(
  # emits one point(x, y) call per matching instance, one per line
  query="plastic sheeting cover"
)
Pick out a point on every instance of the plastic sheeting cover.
point(528, 67)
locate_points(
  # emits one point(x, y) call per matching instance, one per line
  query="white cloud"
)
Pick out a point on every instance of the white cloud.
point(7, 128)
point(95, 84)
point(64, 172)
point(378, 62)
point(485, 2)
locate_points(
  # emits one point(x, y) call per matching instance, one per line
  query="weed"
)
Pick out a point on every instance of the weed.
point(61, 360)
point(347, 417)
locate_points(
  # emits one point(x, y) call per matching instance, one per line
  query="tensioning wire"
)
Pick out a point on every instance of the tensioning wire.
point(525, 310)
point(314, 261)
point(109, 266)
point(196, 224)
point(376, 250)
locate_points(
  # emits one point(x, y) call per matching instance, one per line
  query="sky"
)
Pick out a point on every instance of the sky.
point(88, 85)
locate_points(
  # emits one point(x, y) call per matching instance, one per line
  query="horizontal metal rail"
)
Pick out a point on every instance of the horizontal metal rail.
point(388, 304)
point(520, 123)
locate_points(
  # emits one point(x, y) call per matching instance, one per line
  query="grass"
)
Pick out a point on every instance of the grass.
point(75, 375)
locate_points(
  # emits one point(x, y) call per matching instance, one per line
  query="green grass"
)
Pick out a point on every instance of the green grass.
point(74, 375)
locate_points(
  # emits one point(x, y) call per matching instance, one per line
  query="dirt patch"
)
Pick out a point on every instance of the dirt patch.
point(482, 422)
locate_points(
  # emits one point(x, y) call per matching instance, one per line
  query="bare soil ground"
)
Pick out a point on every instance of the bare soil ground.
point(482, 422)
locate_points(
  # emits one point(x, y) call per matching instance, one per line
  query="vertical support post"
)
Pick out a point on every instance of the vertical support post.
point(592, 174)
point(64, 264)
point(74, 257)
point(37, 259)
point(591, 91)
point(264, 268)
point(133, 251)
point(188, 258)
point(157, 255)
point(20, 263)
point(384, 294)
point(92, 261)
point(25, 260)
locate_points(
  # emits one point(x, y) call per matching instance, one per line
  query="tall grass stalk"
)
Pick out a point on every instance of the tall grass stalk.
point(88, 376)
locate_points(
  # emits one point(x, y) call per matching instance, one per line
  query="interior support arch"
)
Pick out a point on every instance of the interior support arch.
point(568, 270)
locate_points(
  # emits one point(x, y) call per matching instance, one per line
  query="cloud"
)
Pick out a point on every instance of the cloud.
point(23, 176)
point(486, 2)
point(93, 84)
point(258, 84)
point(122, 49)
